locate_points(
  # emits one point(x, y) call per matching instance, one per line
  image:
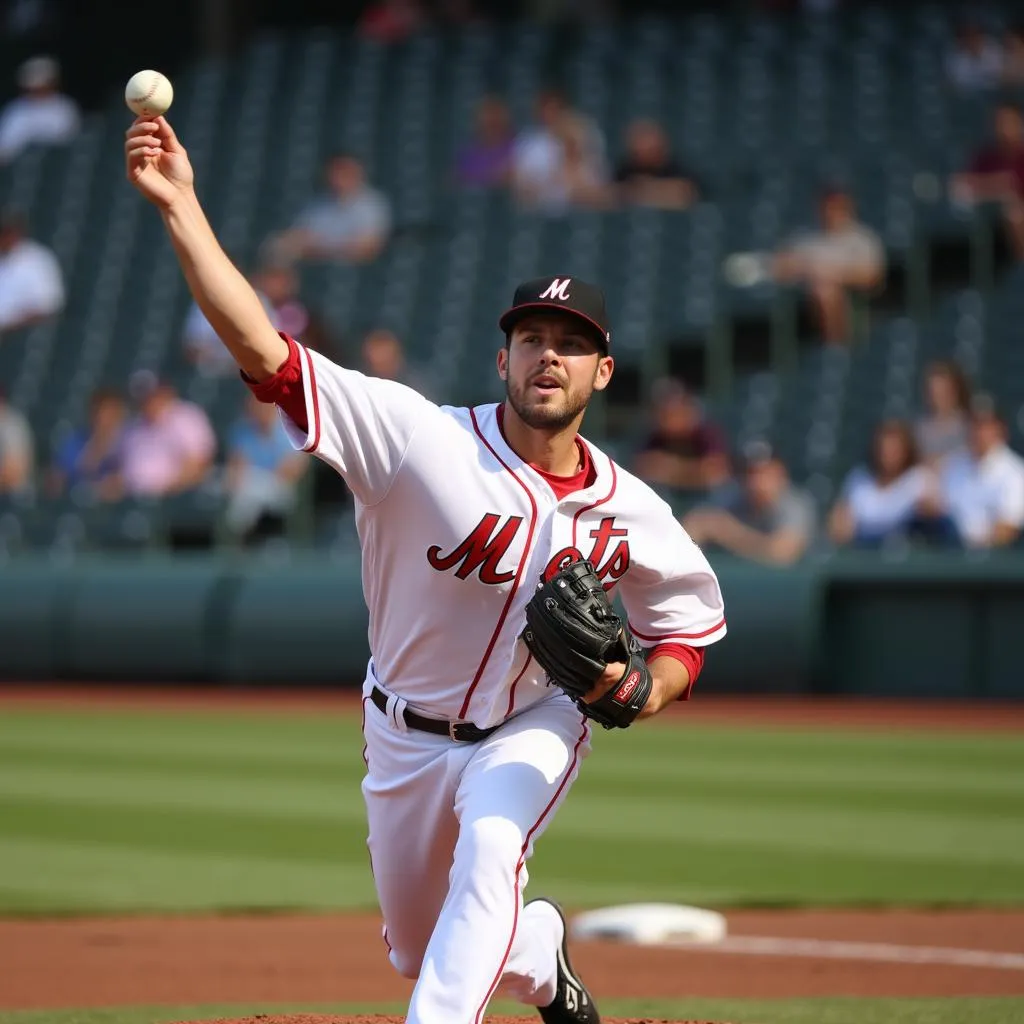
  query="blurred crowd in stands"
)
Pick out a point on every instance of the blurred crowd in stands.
point(946, 479)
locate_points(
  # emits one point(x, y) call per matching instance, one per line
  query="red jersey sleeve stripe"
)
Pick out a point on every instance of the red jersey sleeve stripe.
point(691, 658)
point(665, 637)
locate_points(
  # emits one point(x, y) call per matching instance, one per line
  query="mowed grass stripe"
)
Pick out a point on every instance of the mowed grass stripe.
point(745, 874)
point(331, 796)
point(331, 790)
point(898, 836)
point(165, 811)
point(305, 740)
point(262, 739)
point(616, 771)
point(95, 876)
point(185, 831)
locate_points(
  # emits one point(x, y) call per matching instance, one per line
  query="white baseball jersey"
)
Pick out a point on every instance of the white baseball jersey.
point(457, 531)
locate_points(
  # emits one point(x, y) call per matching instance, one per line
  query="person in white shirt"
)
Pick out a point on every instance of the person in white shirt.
point(883, 499)
point(41, 115)
point(31, 281)
point(560, 160)
point(844, 256)
point(350, 224)
point(983, 484)
point(976, 63)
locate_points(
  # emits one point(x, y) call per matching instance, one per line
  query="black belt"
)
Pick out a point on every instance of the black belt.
point(464, 732)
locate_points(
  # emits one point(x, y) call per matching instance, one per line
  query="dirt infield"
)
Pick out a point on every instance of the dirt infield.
point(341, 958)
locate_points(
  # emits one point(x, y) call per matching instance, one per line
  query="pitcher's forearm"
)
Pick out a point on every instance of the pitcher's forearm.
point(222, 293)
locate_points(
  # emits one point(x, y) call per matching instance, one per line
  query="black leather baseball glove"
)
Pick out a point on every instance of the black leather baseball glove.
point(573, 632)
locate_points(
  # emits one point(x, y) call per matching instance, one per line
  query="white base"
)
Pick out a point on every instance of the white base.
point(650, 924)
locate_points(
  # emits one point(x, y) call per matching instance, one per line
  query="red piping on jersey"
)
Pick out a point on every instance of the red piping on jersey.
point(593, 505)
point(676, 636)
point(312, 446)
point(519, 569)
point(519, 869)
point(515, 683)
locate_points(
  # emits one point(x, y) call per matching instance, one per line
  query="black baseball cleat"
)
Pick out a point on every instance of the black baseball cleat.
point(572, 1004)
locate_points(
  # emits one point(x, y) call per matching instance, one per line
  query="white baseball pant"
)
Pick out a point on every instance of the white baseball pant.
point(451, 826)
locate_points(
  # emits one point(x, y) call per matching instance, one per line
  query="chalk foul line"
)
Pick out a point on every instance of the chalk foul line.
point(879, 952)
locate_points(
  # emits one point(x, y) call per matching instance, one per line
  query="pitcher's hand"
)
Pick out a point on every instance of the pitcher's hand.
point(156, 162)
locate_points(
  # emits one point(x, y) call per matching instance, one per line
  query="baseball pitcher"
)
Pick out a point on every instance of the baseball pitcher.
point(492, 539)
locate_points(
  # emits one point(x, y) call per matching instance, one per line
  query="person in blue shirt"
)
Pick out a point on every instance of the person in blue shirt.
point(88, 460)
point(261, 474)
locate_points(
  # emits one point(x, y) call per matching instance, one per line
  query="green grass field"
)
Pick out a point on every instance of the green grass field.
point(180, 812)
point(132, 812)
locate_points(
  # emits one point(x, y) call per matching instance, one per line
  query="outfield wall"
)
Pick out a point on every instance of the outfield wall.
point(950, 626)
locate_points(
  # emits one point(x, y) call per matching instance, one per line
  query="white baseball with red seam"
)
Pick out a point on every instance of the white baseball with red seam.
point(149, 94)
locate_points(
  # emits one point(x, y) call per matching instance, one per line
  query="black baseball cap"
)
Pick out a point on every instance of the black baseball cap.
point(568, 294)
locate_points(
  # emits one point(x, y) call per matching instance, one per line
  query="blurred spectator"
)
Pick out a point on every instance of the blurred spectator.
point(350, 224)
point(844, 256)
point(886, 498)
point(261, 474)
point(584, 175)
point(770, 521)
point(649, 175)
point(17, 450)
point(542, 176)
point(41, 114)
point(391, 21)
point(996, 173)
point(1013, 56)
point(384, 356)
point(169, 447)
point(684, 451)
point(277, 286)
point(976, 63)
point(456, 13)
point(943, 428)
point(487, 160)
point(91, 457)
point(31, 282)
point(983, 484)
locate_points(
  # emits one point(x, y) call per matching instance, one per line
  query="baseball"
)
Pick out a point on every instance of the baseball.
point(149, 93)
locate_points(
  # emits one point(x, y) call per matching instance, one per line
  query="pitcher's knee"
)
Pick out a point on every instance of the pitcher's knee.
point(490, 842)
point(407, 963)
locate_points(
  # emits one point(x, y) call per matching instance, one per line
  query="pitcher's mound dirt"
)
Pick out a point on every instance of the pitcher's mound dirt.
point(306, 1018)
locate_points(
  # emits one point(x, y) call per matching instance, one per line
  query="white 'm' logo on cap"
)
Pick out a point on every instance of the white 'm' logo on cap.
point(558, 289)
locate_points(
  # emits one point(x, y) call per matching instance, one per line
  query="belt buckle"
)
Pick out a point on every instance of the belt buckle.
point(458, 730)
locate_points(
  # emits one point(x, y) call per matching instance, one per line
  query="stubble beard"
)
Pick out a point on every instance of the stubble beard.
point(554, 416)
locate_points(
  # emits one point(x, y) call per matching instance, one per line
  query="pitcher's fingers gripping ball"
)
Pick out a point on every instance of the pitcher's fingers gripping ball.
point(149, 94)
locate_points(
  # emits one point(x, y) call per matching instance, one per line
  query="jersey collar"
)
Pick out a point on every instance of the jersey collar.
point(487, 417)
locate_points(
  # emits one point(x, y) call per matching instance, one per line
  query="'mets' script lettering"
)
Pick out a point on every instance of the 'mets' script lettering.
point(483, 549)
point(489, 541)
point(610, 567)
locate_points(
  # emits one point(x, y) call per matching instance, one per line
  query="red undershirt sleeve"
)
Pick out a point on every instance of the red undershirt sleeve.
point(284, 389)
point(690, 657)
